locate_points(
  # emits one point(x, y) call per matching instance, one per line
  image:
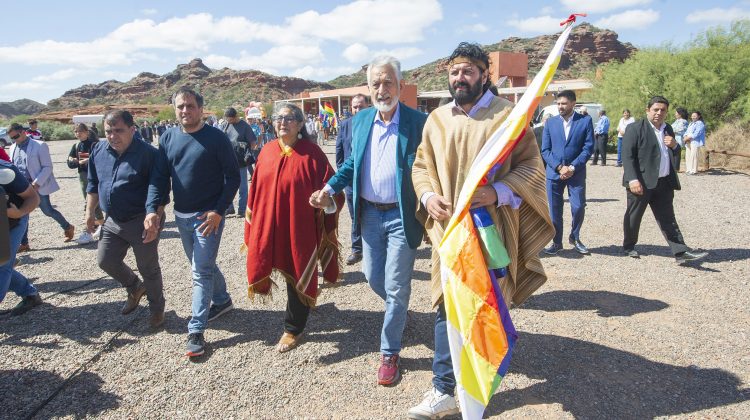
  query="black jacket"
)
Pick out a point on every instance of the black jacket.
point(641, 155)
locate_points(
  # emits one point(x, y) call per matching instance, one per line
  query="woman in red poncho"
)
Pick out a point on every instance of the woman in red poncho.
point(283, 233)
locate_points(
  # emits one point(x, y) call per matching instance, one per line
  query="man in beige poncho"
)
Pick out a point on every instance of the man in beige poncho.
point(452, 137)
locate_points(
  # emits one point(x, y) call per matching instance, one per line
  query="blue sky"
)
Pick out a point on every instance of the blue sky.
point(56, 46)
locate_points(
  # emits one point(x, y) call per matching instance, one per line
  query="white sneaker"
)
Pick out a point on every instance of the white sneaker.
point(96, 234)
point(435, 405)
point(85, 238)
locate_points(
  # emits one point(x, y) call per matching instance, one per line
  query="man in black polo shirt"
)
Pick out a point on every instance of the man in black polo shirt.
point(122, 180)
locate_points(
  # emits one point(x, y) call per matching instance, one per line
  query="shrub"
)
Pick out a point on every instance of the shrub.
point(731, 137)
point(166, 114)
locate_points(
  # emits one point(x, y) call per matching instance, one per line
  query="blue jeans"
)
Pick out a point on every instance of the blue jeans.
point(242, 203)
point(10, 279)
point(209, 284)
point(443, 378)
point(619, 150)
point(356, 231)
point(388, 262)
point(46, 206)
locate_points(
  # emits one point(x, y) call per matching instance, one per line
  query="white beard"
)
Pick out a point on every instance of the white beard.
point(385, 106)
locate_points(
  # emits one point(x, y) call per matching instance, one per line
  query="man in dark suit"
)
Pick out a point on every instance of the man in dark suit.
point(650, 158)
point(567, 142)
point(384, 145)
point(343, 151)
point(147, 132)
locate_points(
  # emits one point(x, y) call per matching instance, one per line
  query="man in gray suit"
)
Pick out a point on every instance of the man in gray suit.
point(32, 159)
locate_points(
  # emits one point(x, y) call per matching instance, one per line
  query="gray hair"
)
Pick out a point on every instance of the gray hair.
point(381, 61)
point(298, 115)
point(296, 111)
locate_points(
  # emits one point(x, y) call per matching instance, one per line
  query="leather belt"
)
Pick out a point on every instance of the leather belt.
point(382, 206)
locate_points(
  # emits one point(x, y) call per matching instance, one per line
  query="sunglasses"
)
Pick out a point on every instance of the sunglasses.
point(15, 136)
point(286, 118)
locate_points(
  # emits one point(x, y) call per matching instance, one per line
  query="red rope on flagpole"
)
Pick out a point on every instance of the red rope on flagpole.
point(572, 18)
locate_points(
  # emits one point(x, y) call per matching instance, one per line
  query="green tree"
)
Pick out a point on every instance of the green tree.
point(710, 74)
point(166, 114)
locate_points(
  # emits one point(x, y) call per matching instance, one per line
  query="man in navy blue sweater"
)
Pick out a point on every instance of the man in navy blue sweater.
point(205, 177)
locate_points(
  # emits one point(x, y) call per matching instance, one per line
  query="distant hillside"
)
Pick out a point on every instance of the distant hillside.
point(219, 87)
point(20, 107)
point(586, 48)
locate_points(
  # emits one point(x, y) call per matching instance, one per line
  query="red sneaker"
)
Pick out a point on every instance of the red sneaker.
point(388, 373)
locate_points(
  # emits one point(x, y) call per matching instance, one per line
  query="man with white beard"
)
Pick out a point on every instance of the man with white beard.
point(384, 145)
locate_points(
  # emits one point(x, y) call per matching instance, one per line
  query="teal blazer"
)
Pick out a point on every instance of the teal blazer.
point(411, 123)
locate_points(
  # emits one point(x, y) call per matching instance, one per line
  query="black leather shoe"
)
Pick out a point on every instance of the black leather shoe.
point(631, 253)
point(579, 246)
point(688, 256)
point(553, 249)
point(354, 258)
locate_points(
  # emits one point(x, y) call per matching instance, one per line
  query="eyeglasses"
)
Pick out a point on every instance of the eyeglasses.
point(15, 136)
point(284, 118)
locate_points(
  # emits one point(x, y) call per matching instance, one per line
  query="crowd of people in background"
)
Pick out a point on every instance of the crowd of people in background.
point(391, 169)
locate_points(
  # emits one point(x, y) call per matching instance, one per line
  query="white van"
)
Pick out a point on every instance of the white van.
point(551, 110)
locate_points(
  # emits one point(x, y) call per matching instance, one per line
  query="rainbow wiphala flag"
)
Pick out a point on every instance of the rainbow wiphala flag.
point(328, 114)
point(480, 330)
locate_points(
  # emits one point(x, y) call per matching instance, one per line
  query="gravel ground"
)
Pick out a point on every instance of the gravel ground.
point(607, 336)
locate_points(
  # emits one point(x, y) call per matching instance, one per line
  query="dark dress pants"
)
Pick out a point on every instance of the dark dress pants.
point(600, 148)
point(577, 197)
point(116, 238)
point(660, 200)
point(297, 312)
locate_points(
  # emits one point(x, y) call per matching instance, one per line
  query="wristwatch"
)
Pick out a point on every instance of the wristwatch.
point(572, 168)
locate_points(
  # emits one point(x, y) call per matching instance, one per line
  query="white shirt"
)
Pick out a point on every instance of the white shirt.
point(566, 125)
point(664, 162)
point(623, 124)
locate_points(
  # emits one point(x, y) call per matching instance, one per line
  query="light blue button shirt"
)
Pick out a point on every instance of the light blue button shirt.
point(379, 163)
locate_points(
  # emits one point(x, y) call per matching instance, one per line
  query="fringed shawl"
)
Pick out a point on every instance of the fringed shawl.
point(450, 141)
point(283, 233)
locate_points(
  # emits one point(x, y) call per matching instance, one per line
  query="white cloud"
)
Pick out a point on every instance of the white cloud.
point(401, 54)
point(322, 73)
point(149, 12)
point(600, 6)
point(57, 76)
point(384, 21)
point(388, 22)
point(283, 56)
point(717, 15)
point(356, 53)
point(540, 24)
point(361, 54)
point(632, 19)
point(24, 86)
point(479, 27)
point(547, 10)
